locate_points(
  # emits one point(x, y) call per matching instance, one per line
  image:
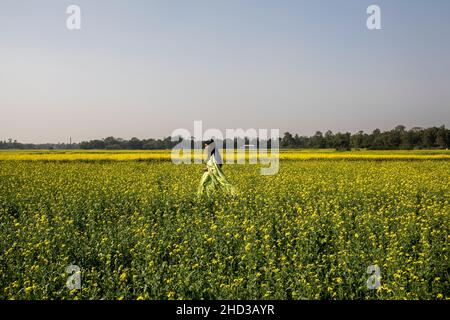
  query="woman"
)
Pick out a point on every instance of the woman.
point(213, 178)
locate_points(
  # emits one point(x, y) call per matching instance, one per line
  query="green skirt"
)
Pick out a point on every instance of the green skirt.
point(214, 180)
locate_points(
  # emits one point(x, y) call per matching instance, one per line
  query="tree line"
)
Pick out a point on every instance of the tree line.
point(397, 138)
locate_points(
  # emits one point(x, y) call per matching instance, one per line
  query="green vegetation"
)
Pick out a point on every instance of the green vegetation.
point(137, 230)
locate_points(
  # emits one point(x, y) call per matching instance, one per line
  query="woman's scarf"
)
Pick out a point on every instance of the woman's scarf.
point(213, 178)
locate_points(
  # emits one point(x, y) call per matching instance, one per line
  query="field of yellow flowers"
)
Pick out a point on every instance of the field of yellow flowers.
point(137, 229)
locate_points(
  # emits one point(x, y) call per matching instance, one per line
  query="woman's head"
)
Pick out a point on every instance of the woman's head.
point(208, 142)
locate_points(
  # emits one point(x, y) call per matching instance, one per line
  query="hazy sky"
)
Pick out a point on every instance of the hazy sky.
point(145, 68)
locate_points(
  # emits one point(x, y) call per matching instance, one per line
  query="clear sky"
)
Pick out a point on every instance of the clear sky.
point(145, 68)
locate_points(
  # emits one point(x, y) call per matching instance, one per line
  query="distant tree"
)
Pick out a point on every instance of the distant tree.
point(135, 144)
point(109, 141)
point(149, 145)
point(357, 140)
point(301, 141)
point(328, 139)
point(442, 137)
point(392, 139)
point(407, 140)
point(428, 138)
point(342, 141)
point(287, 141)
point(317, 140)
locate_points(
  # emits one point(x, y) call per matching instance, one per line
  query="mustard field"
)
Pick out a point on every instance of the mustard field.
point(165, 155)
point(136, 228)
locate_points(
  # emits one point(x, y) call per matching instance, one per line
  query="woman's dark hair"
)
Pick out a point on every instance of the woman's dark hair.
point(208, 142)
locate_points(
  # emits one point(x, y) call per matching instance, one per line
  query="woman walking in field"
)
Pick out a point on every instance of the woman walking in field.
point(213, 178)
